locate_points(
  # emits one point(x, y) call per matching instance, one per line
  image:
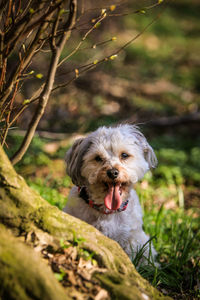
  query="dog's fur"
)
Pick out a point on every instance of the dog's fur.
point(89, 161)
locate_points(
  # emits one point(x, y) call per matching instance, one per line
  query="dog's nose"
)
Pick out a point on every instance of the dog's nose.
point(113, 173)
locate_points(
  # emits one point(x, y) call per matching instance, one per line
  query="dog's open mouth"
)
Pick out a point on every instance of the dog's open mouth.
point(113, 199)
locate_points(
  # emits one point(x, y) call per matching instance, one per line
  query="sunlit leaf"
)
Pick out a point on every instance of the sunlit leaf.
point(59, 276)
point(39, 75)
point(112, 7)
point(31, 10)
point(97, 25)
point(113, 56)
point(77, 72)
point(25, 102)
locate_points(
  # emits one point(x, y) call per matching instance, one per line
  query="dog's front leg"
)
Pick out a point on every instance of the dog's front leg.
point(140, 242)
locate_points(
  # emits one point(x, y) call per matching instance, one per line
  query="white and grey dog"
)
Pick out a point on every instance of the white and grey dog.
point(104, 166)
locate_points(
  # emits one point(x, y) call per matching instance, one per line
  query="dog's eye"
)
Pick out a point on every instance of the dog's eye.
point(124, 155)
point(98, 158)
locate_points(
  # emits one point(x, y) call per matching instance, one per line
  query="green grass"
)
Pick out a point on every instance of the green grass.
point(176, 240)
point(49, 190)
point(175, 229)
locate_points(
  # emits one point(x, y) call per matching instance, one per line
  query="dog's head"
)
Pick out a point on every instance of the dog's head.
point(109, 161)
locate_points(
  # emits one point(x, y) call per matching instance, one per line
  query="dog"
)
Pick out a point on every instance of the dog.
point(104, 166)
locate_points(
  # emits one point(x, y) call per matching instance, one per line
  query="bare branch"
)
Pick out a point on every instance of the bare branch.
point(138, 11)
point(91, 65)
point(35, 97)
point(83, 39)
point(44, 97)
point(8, 114)
point(53, 35)
point(32, 49)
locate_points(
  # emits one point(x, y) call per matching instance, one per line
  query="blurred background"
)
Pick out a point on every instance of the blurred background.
point(155, 83)
point(156, 76)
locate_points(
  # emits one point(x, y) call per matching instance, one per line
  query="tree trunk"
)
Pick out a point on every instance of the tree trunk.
point(23, 272)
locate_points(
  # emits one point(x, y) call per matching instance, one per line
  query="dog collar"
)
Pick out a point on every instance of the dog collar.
point(100, 207)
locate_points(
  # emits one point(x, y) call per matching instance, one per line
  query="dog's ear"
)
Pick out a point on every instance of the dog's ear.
point(149, 154)
point(74, 160)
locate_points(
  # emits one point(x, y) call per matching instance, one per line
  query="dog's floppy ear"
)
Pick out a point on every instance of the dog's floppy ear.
point(74, 160)
point(149, 154)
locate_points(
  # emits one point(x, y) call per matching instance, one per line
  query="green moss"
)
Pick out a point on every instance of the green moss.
point(120, 288)
point(23, 274)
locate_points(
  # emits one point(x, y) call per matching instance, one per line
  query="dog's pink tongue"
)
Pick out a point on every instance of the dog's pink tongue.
point(113, 199)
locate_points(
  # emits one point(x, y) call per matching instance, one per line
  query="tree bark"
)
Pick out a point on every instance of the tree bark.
point(23, 272)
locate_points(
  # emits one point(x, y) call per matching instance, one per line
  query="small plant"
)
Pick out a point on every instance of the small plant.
point(64, 244)
point(49, 193)
point(60, 276)
point(77, 241)
point(177, 245)
point(139, 257)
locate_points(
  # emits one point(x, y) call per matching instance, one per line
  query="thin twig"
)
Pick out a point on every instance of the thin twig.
point(8, 115)
point(142, 10)
point(30, 101)
point(83, 39)
point(28, 56)
point(54, 30)
point(91, 65)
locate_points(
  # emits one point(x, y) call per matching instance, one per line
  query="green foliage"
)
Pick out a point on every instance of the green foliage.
point(60, 276)
point(77, 240)
point(139, 258)
point(35, 155)
point(178, 166)
point(176, 232)
point(63, 244)
point(50, 193)
point(177, 243)
point(147, 104)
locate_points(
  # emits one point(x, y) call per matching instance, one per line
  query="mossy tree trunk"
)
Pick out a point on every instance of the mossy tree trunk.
point(23, 272)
